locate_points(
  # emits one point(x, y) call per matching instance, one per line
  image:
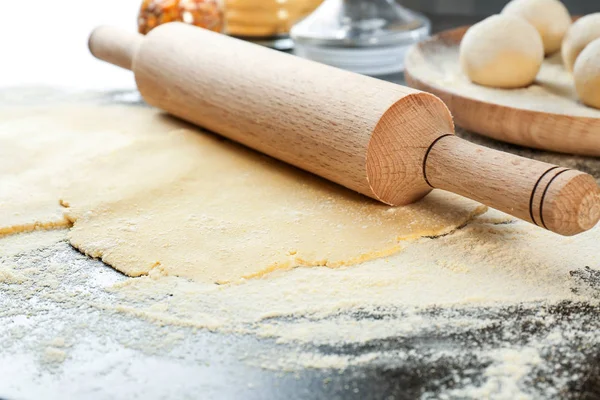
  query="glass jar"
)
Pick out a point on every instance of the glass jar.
point(206, 14)
point(366, 36)
point(267, 22)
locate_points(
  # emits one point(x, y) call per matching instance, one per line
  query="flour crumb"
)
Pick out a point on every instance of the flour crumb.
point(10, 276)
point(53, 355)
point(58, 342)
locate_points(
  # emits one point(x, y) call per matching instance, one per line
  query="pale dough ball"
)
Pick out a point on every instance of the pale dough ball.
point(581, 33)
point(502, 51)
point(587, 74)
point(550, 17)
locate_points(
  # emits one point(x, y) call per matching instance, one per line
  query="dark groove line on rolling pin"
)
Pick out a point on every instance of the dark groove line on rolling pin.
point(427, 155)
point(544, 195)
point(533, 193)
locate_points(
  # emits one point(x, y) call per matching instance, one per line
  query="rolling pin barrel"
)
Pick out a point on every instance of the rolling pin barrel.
point(386, 141)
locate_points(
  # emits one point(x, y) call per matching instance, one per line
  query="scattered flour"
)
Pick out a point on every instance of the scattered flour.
point(444, 295)
point(472, 266)
point(508, 368)
point(14, 244)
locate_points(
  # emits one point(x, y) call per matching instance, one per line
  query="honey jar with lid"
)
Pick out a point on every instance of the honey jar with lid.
point(266, 22)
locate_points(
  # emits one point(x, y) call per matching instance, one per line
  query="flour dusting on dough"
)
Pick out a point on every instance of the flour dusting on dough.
point(145, 191)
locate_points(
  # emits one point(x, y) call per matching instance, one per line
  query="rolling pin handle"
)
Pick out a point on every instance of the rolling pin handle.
point(558, 199)
point(114, 45)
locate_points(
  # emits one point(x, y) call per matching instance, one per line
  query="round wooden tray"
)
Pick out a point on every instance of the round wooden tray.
point(545, 115)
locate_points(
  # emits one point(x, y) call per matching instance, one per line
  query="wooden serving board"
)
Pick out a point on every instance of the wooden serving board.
point(546, 115)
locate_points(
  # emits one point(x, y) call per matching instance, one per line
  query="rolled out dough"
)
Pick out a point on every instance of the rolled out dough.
point(42, 149)
point(148, 194)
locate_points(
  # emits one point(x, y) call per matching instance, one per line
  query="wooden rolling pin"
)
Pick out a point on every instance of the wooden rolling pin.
point(386, 141)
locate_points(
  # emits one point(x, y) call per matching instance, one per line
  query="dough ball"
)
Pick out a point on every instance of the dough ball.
point(587, 74)
point(581, 33)
point(550, 17)
point(502, 51)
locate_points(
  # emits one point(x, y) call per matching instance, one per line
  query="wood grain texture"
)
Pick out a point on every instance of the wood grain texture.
point(570, 203)
point(374, 137)
point(396, 151)
point(313, 116)
point(542, 130)
point(554, 198)
point(107, 43)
